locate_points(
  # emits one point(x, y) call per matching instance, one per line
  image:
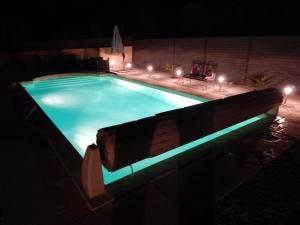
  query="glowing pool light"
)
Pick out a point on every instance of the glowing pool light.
point(52, 100)
point(59, 100)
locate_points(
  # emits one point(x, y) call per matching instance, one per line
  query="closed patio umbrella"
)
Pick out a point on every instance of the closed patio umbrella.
point(117, 44)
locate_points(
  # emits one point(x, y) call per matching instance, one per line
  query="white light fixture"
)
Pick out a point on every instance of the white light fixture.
point(112, 62)
point(287, 91)
point(178, 72)
point(150, 68)
point(128, 65)
point(221, 80)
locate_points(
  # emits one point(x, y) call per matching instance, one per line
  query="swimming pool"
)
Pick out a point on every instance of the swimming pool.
point(79, 106)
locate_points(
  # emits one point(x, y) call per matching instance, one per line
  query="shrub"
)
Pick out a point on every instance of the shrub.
point(260, 81)
point(170, 67)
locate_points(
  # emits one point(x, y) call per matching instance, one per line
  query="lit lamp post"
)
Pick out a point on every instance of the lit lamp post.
point(112, 63)
point(128, 65)
point(287, 91)
point(179, 73)
point(221, 80)
point(149, 69)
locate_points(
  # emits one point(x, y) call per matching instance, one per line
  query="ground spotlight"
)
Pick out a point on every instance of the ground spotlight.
point(287, 91)
point(178, 72)
point(129, 65)
point(221, 80)
point(150, 68)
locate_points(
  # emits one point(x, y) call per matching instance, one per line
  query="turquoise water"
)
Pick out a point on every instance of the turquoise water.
point(79, 106)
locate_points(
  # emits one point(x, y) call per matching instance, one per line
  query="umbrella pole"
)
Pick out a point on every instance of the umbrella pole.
point(123, 55)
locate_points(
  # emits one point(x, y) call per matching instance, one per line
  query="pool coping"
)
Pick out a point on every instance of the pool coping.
point(66, 75)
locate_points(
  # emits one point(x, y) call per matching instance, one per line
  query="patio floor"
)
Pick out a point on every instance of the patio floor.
point(270, 196)
point(290, 112)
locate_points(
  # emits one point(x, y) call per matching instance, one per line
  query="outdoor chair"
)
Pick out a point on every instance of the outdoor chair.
point(188, 76)
point(210, 79)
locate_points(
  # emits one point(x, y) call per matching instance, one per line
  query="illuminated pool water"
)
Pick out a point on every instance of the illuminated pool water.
point(81, 105)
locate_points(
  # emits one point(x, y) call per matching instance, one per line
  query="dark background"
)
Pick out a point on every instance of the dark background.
point(55, 20)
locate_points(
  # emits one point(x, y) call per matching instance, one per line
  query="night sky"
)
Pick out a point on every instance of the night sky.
point(52, 20)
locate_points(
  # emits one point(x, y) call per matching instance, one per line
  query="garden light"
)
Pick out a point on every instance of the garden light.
point(221, 80)
point(287, 91)
point(149, 68)
point(112, 62)
point(128, 65)
point(178, 72)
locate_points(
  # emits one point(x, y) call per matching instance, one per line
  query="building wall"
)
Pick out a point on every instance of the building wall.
point(187, 50)
point(237, 57)
point(142, 53)
point(230, 54)
point(117, 58)
point(278, 56)
point(79, 53)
